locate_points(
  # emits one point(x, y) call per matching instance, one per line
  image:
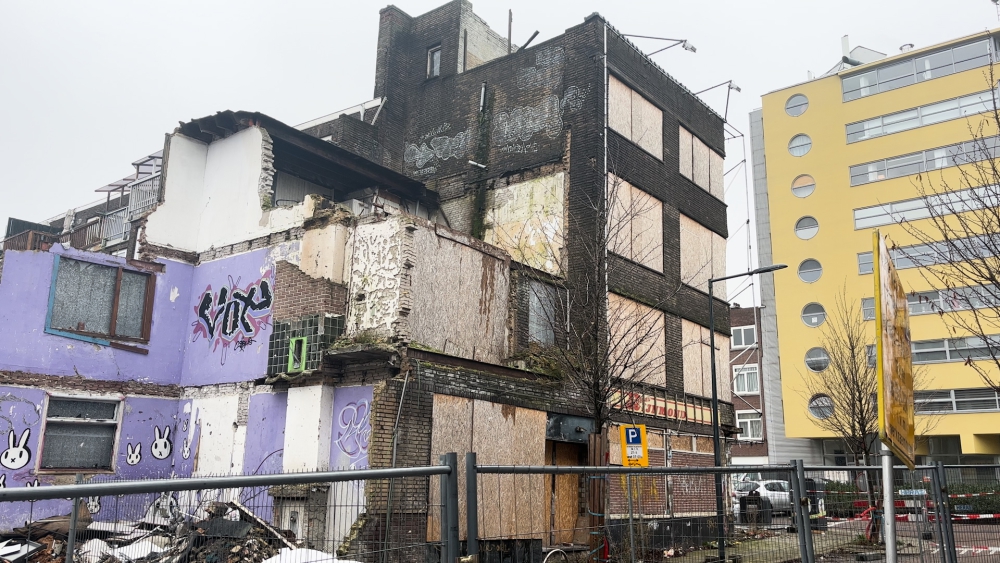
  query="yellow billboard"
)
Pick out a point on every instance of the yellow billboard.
point(895, 372)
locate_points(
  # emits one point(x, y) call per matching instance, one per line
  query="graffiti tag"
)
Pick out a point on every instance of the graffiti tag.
point(354, 429)
point(234, 314)
point(242, 345)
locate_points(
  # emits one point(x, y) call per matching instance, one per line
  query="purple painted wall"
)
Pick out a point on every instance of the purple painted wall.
point(352, 427)
point(264, 450)
point(24, 292)
point(143, 418)
point(228, 320)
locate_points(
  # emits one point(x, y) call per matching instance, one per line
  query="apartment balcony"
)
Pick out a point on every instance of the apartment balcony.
point(30, 240)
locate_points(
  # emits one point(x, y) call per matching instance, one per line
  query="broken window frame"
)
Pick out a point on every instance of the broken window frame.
point(119, 403)
point(98, 337)
point(536, 291)
point(433, 72)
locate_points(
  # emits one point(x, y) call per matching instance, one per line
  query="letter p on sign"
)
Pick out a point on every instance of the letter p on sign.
point(635, 452)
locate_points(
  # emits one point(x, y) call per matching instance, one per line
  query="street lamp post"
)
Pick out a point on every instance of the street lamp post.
point(719, 506)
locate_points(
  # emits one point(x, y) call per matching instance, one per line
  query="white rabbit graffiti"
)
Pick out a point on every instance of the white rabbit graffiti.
point(161, 445)
point(134, 456)
point(16, 457)
point(94, 504)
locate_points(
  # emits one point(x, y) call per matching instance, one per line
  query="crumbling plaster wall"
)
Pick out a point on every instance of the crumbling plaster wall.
point(526, 219)
point(376, 282)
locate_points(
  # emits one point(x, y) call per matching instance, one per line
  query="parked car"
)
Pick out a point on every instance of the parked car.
point(778, 492)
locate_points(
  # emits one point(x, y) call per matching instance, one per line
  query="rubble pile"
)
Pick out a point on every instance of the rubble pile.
point(227, 533)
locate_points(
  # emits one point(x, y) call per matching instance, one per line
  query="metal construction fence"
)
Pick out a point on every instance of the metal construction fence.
point(512, 514)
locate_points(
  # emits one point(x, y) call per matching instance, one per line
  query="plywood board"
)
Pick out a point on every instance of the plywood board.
point(647, 125)
point(685, 155)
point(510, 505)
point(451, 431)
point(567, 494)
point(620, 107)
point(647, 230)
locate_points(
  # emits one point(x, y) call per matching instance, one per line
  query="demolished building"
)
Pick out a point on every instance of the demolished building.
point(380, 285)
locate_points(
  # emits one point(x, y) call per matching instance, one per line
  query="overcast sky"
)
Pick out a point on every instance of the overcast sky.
point(88, 87)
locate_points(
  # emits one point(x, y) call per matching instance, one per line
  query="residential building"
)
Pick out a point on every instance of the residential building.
point(380, 285)
point(833, 158)
point(749, 384)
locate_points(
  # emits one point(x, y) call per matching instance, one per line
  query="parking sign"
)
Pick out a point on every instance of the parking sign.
point(635, 452)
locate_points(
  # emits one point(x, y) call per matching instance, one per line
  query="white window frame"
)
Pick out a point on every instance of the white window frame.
point(742, 330)
point(117, 422)
point(745, 436)
point(742, 371)
point(430, 58)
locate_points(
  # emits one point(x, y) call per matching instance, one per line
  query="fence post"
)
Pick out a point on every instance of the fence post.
point(793, 480)
point(807, 535)
point(472, 506)
point(943, 544)
point(71, 540)
point(443, 460)
point(451, 504)
point(631, 528)
point(946, 510)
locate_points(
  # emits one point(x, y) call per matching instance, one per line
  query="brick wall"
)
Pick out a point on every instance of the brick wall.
point(297, 294)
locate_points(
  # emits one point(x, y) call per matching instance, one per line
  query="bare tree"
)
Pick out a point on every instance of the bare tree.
point(843, 397)
point(958, 234)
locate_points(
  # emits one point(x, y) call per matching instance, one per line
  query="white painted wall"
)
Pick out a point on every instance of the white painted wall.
point(211, 195)
point(308, 428)
point(171, 224)
point(324, 251)
point(218, 447)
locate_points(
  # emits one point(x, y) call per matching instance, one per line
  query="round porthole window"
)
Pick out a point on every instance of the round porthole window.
point(796, 105)
point(799, 145)
point(817, 359)
point(806, 228)
point(813, 314)
point(803, 186)
point(821, 406)
point(810, 270)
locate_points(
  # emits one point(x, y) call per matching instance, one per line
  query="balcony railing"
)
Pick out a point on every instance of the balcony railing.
point(144, 195)
point(30, 240)
point(85, 236)
point(115, 226)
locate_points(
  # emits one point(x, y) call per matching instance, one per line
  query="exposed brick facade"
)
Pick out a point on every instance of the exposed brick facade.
point(297, 294)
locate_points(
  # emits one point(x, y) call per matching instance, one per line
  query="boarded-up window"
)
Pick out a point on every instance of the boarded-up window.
point(684, 152)
point(99, 300)
point(637, 347)
point(635, 117)
point(703, 254)
point(700, 164)
point(697, 361)
point(635, 224)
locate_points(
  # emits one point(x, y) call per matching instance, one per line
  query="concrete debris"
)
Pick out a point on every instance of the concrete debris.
point(93, 551)
point(136, 550)
point(230, 534)
point(305, 556)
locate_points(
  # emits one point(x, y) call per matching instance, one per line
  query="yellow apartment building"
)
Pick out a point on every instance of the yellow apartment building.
point(834, 158)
